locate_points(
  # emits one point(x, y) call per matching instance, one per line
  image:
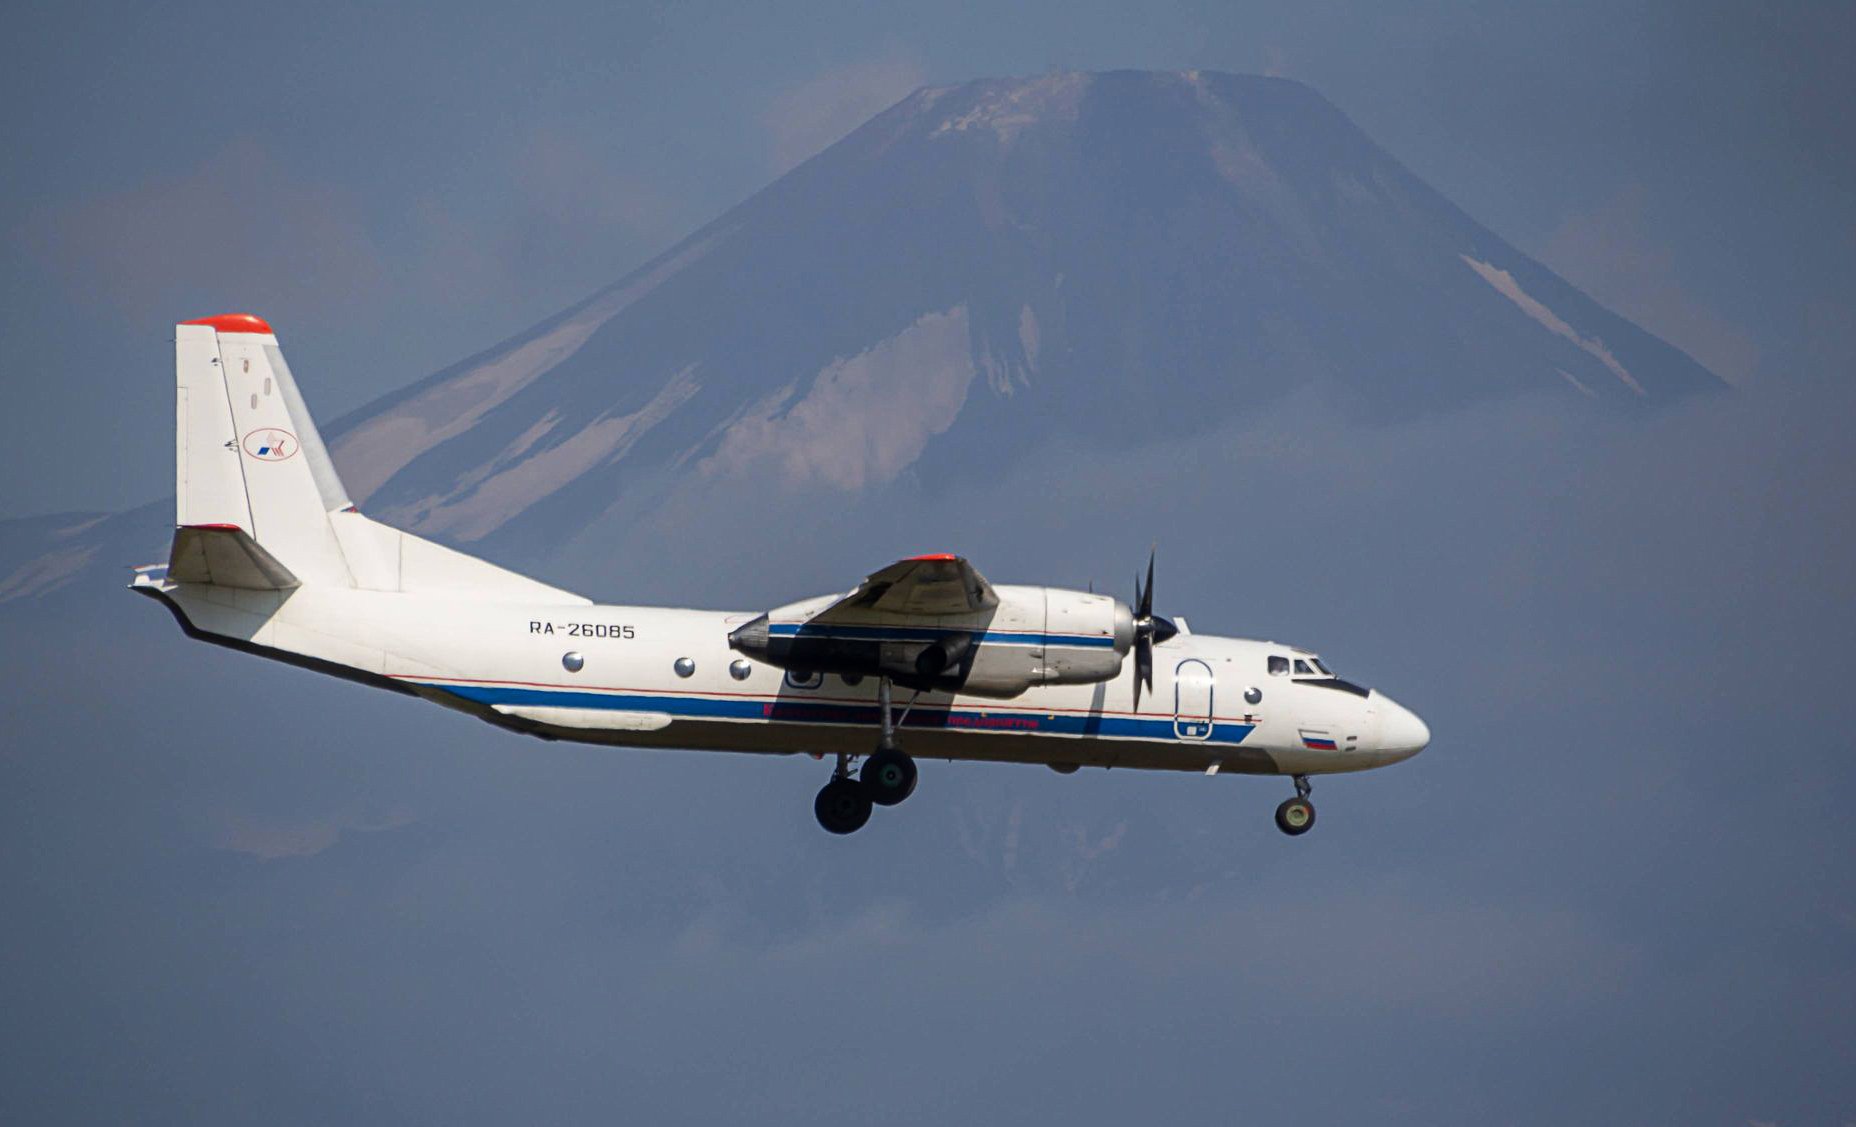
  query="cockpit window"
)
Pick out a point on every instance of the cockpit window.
point(1279, 665)
point(1316, 662)
point(1302, 667)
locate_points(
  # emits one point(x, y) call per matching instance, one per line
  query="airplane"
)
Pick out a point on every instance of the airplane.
point(270, 557)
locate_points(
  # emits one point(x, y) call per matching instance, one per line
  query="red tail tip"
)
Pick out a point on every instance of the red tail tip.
point(936, 556)
point(235, 323)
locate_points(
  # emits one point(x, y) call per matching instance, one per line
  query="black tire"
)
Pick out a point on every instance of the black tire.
point(1295, 817)
point(888, 777)
point(842, 807)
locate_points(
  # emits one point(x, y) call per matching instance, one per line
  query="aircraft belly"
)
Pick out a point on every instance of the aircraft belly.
point(954, 735)
point(790, 739)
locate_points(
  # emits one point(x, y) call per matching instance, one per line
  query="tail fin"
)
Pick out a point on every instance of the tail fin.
point(247, 453)
point(258, 503)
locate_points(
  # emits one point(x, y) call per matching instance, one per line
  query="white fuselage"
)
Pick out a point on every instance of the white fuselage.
point(1215, 706)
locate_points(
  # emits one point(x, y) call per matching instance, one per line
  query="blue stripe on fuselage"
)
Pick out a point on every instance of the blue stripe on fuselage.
point(801, 711)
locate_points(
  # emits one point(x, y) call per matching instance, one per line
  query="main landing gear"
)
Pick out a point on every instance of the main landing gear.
point(1296, 816)
point(886, 778)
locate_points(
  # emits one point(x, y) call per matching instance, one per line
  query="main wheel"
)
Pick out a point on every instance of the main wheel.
point(1296, 816)
point(842, 807)
point(888, 777)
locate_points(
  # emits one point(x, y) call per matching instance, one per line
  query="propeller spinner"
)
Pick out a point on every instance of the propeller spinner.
point(1149, 631)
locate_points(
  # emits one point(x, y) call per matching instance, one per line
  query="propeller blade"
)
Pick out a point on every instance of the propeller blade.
point(1144, 671)
point(1146, 594)
point(1148, 630)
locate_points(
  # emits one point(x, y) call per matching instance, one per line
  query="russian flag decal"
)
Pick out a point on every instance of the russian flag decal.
point(1317, 741)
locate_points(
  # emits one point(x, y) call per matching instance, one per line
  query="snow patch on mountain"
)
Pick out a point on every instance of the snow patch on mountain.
point(1577, 384)
point(381, 447)
point(468, 514)
point(1028, 335)
point(71, 552)
point(1012, 107)
point(517, 447)
point(46, 573)
point(1505, 285)
point(1006, 374)
point(866, 418)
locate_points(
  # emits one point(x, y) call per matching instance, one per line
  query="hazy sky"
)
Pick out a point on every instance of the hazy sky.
point(397, 188)
point(1616, 889)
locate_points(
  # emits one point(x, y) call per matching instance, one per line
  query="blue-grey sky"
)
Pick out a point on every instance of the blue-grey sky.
point(1614, 890)
point(397, 188)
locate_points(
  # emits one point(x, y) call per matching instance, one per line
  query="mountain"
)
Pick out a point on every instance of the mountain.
point(1074, 260)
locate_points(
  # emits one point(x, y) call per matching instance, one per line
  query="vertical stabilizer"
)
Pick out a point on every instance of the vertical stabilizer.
point(247, 453)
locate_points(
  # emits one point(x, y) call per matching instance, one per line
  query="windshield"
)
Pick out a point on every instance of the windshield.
point(1305, 666)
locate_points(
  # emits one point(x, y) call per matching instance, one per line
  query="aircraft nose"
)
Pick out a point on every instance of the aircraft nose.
point(1401, 733)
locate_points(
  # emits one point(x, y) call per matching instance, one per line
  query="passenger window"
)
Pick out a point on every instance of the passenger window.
point(1302, 667)
point(1279, 665)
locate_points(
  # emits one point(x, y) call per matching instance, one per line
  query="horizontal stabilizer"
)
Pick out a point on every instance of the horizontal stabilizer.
point(225, 556)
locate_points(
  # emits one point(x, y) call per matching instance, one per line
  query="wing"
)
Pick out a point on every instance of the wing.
point(921, 586)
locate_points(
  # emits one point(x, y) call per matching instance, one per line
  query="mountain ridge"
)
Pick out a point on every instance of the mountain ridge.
point(1074, 260)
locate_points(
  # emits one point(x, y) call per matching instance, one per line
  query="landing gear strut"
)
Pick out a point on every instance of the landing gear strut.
point(886, 778)
point(1296, 816)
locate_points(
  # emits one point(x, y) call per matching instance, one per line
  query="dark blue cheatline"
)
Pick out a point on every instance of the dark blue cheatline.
point(832, 712)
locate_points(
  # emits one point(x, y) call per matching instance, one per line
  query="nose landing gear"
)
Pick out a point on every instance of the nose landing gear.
point(887, 777)
point(1296, 816)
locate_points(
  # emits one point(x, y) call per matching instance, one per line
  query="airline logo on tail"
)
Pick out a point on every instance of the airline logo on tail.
point(270, 444)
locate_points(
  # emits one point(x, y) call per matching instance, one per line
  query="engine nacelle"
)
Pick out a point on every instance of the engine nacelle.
point(1035, 636)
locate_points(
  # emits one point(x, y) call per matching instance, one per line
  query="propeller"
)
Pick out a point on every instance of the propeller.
point(1149, 630)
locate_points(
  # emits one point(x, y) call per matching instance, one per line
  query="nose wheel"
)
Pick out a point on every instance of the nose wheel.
point(886, 778)
point(1296, 816)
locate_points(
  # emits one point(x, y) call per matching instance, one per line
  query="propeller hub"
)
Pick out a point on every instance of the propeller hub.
point(1157, 629)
